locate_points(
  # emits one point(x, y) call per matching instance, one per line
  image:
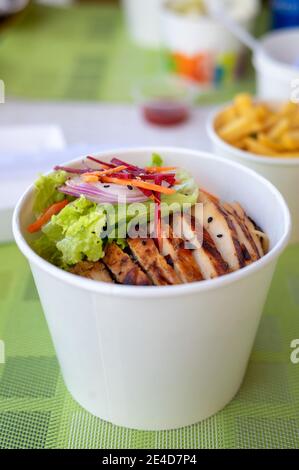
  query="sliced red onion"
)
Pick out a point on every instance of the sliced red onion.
point(95, 194)
point(68, 169)
point(112, 190)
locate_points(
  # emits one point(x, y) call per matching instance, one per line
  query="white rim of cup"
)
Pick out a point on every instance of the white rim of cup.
point(262, 55)
point(167, 10)
point(271, 161)
point(140, 292)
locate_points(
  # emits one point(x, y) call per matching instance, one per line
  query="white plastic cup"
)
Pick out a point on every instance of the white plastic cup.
point(276, 74)
point(156, 358)
point(282, 172)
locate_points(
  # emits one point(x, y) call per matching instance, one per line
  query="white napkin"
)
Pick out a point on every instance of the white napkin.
point(25, 152)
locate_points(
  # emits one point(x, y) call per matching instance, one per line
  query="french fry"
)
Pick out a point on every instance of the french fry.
point(279, 128)
point(225, 117)
point(288, 154)
point(239, 127)
point(290, 140)
point(289, 108)
point(256, 147)
point(259, 128)
point(242, 103)
point(265, 140)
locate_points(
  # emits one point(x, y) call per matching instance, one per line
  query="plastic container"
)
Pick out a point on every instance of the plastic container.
point(200, 48)
point(277, 65)
point(282, 172)
point(161, 357)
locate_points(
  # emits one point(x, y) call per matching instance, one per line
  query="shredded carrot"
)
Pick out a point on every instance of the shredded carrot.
point(94, 175)
point(139, 184)
point(90, 178)
point(46, 216)
point(160, 169)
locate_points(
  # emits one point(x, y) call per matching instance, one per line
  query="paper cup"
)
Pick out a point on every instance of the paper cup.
point(276, 74)
point(143, 20)
point(201, 49)
point(157, 358)
point(282, 172)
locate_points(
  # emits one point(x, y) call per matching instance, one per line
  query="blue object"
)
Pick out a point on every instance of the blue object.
point(285, 13)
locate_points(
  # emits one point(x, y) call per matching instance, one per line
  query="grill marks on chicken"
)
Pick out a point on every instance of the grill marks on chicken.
point(225, 240)
point(244, 235)
point(251, 227)
point(223, 234)
point(205, 252)
point(153, 263)
point(95, 271)
point(123, 268)
point(181, 258)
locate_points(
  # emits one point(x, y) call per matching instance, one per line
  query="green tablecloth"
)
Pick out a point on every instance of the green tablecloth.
point(84, 53)
point(36, 410)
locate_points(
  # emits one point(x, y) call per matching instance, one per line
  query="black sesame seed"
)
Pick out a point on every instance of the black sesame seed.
point(219, 235)
point(143, 242)
point(210, 219)
point(106, 185)
point(129, 187)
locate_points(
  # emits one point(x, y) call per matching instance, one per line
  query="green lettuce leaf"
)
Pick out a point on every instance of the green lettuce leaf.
point(74, 234)
point(47, 249)
point(186, 192)
point(46, 190)
point(157, 160)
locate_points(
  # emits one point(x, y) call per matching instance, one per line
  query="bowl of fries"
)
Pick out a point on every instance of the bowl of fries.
point(265, 137)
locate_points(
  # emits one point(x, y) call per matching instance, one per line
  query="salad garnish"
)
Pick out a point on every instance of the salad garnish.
point(47, 215)
point(62, 216)
point(118, 222)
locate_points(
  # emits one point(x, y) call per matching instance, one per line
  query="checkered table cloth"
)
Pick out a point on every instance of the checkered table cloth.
point(36, 410)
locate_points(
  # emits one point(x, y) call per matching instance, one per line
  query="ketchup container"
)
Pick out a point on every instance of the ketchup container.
point(165, 101)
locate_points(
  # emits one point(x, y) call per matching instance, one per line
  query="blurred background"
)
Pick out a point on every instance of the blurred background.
point(81, 76)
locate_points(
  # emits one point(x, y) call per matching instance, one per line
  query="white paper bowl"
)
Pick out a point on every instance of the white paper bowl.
point(161, 357)
point(277, 77)
point(282, 172)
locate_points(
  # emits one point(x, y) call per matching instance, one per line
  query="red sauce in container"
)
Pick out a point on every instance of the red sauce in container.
point(165, 113)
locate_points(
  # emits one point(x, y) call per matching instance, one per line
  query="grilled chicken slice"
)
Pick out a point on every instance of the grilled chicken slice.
point(155, 265)
point(95, 271)
point(123, 267)
point(223, 232)
point(205, 252)
point(252, 228)
point(249, 248)
point(179, 256)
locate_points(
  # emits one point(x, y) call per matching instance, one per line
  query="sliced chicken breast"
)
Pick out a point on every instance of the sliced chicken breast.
point(95, 271)
point(123, 268)
point(205, 253)
point(180, 257)
point(250, 226)
point(249, 248)
point(223, 232)
point(146, 253)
